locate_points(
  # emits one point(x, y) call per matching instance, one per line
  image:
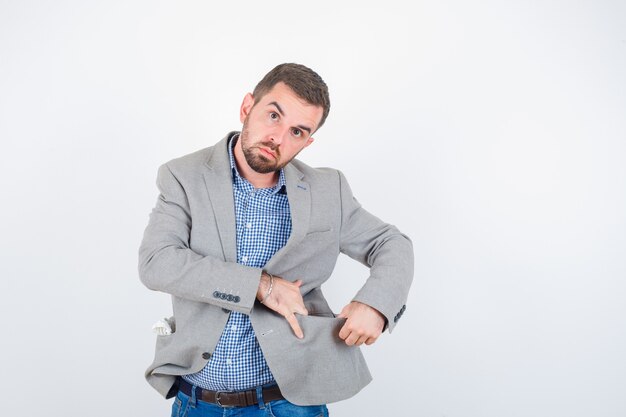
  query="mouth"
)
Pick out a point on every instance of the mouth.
point(267, 152)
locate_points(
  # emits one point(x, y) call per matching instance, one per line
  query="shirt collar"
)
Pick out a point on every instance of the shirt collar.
point(281, 185)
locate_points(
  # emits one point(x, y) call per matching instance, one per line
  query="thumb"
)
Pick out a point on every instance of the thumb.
point(344, 313)
point(298, 282)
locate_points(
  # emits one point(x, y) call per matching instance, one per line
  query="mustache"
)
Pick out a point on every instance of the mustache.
point(271, 145)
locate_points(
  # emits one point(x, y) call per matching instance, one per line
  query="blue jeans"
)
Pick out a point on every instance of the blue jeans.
point(186, 406)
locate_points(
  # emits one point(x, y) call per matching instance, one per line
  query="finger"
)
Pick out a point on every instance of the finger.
point(351, 339)
point(361, 340)
point(370, 340)
point(344, 332)
point(298, 282)
point(301, 309)
point(344, 313)
point(295, 326)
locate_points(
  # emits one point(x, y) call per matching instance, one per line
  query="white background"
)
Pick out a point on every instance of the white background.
point(491, 132)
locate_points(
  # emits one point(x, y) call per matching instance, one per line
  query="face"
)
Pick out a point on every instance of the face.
point(276, 129)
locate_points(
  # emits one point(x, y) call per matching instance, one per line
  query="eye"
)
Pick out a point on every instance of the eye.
point(274, 115)
point(297, 132)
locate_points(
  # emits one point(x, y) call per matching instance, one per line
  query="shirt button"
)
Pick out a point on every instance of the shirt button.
point(206, 355)
point(229, 362)
point(233, 327)
point(244, 259)
point(248, 225)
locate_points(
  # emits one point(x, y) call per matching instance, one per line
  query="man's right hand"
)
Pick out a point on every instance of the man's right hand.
point(285, 299)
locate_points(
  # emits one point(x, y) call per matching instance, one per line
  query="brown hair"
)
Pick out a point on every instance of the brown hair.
point(305, 82)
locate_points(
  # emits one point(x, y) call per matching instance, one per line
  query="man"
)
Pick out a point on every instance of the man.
point(243, 236)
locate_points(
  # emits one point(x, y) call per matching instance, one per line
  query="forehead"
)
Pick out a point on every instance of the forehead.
point(294, 107)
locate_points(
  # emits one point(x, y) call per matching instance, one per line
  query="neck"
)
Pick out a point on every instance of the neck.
point(257, 179)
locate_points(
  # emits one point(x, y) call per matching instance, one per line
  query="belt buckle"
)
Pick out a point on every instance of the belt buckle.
point(217, 400)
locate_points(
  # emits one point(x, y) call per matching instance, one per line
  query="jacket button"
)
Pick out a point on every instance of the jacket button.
point(206, 355)
point(229, 297)
point(225, 310)
point(236, 298)
point(216, 294)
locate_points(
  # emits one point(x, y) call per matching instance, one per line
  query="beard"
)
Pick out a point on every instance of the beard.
point(255, 159)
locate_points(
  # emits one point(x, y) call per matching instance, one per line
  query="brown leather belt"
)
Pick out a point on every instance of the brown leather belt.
point(231, 399)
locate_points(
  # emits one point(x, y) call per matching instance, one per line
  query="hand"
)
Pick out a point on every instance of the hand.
point(285, 299)
point(363, 325)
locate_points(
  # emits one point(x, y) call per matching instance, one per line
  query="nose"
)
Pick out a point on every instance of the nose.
point(279, 134)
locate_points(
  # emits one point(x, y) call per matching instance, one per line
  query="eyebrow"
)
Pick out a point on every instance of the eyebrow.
point(282, 113)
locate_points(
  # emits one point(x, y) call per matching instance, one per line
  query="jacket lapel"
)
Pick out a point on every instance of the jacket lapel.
point(299, 196)
point(219, 183)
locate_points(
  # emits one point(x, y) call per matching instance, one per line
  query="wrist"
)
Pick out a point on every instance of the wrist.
point(266, 285)
point(269, 289)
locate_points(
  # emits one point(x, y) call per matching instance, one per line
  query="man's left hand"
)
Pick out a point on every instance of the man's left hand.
point(363, 325)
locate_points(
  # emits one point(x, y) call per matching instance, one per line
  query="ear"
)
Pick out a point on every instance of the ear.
point(246, 107)
point(309, 141)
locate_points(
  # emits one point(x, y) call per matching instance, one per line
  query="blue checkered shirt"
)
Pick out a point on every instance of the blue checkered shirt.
point(263, 227)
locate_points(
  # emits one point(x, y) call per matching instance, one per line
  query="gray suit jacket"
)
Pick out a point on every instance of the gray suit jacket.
point(189, 251)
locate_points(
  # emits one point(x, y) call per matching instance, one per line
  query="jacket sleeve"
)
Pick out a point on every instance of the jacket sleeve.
point(384, 249)
point(167, 264)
